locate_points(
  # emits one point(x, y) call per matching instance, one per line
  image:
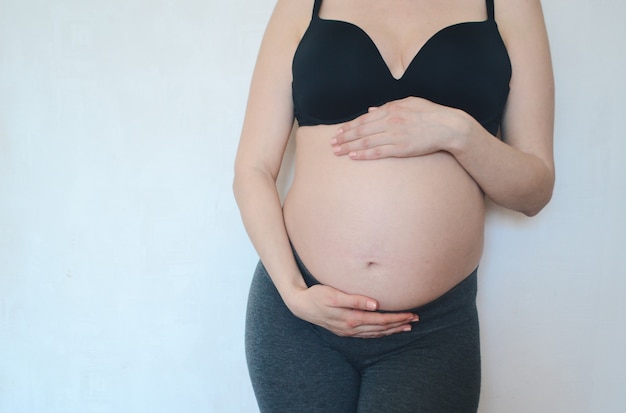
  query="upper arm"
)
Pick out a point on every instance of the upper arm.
point(528, 119)
point(269, 113)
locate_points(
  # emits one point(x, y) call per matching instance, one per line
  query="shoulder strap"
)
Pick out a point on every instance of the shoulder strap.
point(490, 12)
point(316, 9)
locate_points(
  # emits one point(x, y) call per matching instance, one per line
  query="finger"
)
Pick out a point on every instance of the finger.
point(379, 321)
point(372, 113)
point(353, 301)
point(374, 331)
point(364, 125)
point(370, 139)
point(377, 152)
point(377, 334)
point(358, 137)
point(362, 310)
point(364, 324)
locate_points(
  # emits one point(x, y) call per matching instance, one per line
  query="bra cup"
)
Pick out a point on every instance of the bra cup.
point(338, 73)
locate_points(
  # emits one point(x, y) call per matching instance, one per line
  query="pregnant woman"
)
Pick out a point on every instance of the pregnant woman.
point(408, 113)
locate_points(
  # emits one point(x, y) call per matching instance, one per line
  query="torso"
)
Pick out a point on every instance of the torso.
point(403, 231)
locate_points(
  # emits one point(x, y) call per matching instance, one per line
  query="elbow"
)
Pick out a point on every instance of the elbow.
point(247, 179)
point(239, 182)
point(238, 186)
point(540, 200)
point(235, 187)
point(542, 195)
point(534, 210)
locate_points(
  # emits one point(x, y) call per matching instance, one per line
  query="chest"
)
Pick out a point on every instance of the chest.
point(339, 71)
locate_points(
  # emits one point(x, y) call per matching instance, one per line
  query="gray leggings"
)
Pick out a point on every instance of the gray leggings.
point(298, 367)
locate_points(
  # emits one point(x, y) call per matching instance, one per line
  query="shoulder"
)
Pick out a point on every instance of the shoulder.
point(519, 16)
point(522, 27)
point(287, 24)
point(292, 15)
point(529, 113)
point(513, 6)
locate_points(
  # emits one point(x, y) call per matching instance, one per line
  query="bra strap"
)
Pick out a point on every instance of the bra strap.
point(490, 12)
point(316, 9)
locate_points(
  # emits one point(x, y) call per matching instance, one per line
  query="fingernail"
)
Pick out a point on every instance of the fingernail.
point(352, 154)
point(371, 305)
point(407, 328)
point(336, 148)
point(415, 318)
point(333, 141)
point(339, 131)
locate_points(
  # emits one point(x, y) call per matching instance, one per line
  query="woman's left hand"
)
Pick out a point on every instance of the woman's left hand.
point(403, 128)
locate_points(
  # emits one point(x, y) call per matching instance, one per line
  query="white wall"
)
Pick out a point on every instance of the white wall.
point(123, 264)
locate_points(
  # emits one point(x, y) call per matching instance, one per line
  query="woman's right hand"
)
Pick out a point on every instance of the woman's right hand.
point(347, 315)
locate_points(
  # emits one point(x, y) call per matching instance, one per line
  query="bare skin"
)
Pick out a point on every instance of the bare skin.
point(387, 210)
point(414, 233)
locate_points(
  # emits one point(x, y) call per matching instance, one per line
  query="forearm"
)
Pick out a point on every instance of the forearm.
point(259, 204)
point(510, 177)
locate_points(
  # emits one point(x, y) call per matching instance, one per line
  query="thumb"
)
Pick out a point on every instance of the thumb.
point(356, 302)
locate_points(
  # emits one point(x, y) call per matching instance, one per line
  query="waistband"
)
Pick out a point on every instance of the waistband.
point(462, 294)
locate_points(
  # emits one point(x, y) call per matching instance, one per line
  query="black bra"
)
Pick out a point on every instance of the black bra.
point(338, 72)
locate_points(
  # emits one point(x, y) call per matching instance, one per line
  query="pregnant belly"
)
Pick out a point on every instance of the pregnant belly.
point(402, 231)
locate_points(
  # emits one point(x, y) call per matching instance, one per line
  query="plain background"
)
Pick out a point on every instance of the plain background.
point(124, 267)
